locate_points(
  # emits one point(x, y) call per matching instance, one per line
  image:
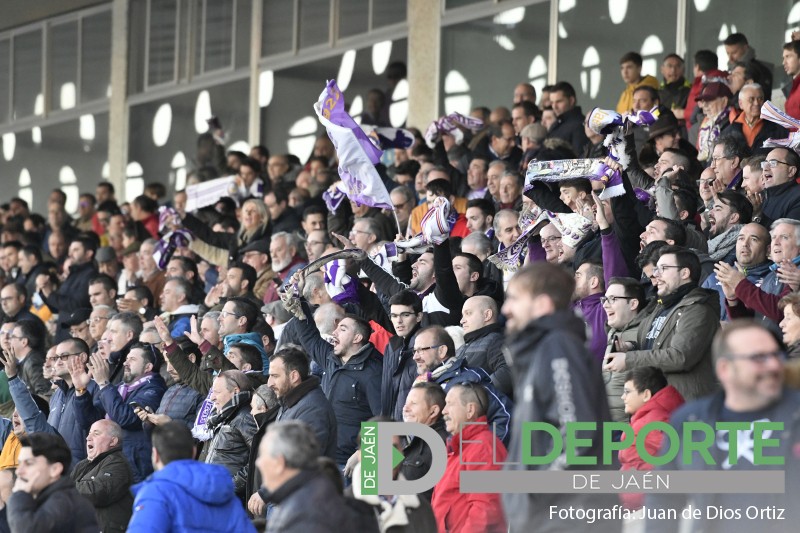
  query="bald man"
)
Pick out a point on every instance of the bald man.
point(483, 341)
point(105, 477)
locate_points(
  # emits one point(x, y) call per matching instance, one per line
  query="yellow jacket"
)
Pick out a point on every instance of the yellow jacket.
point(625, 103)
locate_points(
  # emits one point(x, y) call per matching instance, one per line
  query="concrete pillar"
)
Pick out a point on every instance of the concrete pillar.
point(424, 61)
point(118, 126)
point(254, 111)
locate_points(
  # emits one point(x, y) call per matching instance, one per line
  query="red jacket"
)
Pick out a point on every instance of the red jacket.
point(793, 102)
point(469, 513)
point(658, 409)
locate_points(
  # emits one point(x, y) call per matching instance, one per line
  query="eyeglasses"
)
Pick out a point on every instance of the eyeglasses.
point(420, 350)
point(354, 231)
point(404, 315)
point(63, 356)
point(772, 163)
point(659, 269)
point(551, 240)
point(400, 206)
point(226, 314)
point(6, 332)
point(309, 244)
point(8, 298)
point(715, 159)
point(611, 300)
point(705, 183)
point(16, 337)
point(759, 358)
point(97, 319)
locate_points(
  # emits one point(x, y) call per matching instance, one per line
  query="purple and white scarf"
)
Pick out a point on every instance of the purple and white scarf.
point(449, 124)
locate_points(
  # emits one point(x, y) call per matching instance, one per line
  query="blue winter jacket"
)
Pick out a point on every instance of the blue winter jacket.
point(188, 496)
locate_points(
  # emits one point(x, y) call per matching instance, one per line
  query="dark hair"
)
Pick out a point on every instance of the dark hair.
point(250, 354)
point(564, 87)
point(13, 244)
point(407, 298)
point(487, 207)
point(706, 60)
point(51, 446)
point(254, 164)
point(79, 345)
point(248, 274)
point(243, 307)
point(652, 93)
point(793, 46)
point(647, 378)
point(595, 270)
point(738, 204)
point(146, 204)
point(441, 338)
point(362, 327)
point(262, 150)
point(581, 184)
point(88, 242)
point(440, 187)
point(141, 292)
point(280, 192)
point(434, 393)
point(754, 162)
point(474, 264)
point(529, 108)
point(33, 330)
point(107, 185)
point(294, 358)
point(156, 188)
point(187, 265)
point(649, 253)
point(675, 231)
point(632, 288)
point(631, 57)
point(733, 146)
point(496, 128)
point(686, 200)
point(672, 56)
point(735, 38)
point(32, 250)
point(173, 441)
point(151, 354)
point(106, 281)
point(314, 210)
point(408, 168)
point(684, 258)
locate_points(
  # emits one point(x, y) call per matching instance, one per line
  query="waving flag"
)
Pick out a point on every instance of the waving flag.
point(357, 154)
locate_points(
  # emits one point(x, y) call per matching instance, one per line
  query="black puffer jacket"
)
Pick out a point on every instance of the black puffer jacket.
point(399, 373)
point(569, 127)
point(233, 429)
point(57, 509)
point(254, 481)
point(71, 295)
point(106, 483)
point(483, 348)
point(307, 403)
point(309, 503)
point(557, 380)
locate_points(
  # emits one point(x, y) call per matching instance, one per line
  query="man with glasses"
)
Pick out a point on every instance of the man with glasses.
point(13, 300)
point(623, 302)
point(64, 418)
point(434, 355)
point(316, 243)
point(726, 161)
point(98, 322)
point(404, 202)
point(781, 191)
point(399, 369)
point(750, 366)
point(676, 335)
point(26, 344)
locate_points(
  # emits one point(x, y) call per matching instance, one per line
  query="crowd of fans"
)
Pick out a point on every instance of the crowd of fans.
point(153, 383)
